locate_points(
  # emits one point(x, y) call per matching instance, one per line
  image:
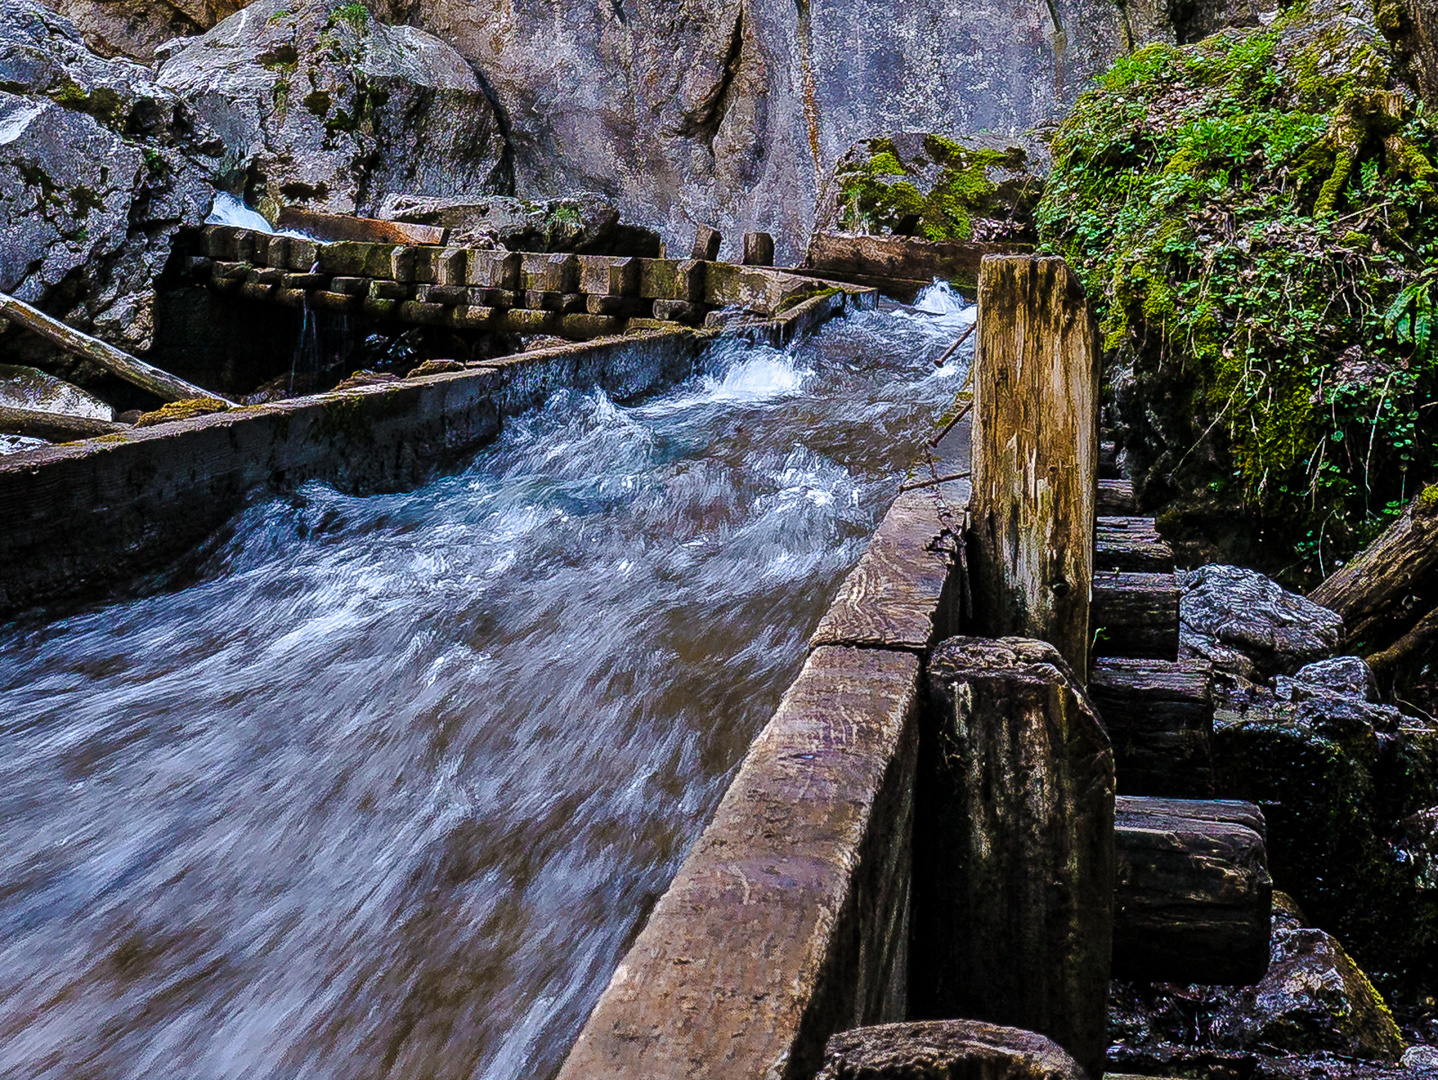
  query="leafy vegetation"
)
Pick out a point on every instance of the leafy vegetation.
point(356, 15)
point(1253, 217)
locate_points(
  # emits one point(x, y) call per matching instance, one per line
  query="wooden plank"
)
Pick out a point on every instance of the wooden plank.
point(1035, 454)
point(1193, 899)
point(332, 227)
point(162, 384)
point(1159, 715)
point(1116, 497)
point(1131, 543)
point(787, 921)
point(56, 427)
point(1135, 614)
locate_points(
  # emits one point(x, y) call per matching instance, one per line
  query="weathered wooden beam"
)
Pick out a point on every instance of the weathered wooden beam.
point(1403, 561)
point(1135, 615)
point(330, 227)
point(1193, 899)
point(1013, 846)
point(1116, 497)
point(162, 384)
point(758, 249)
point(1131, 543)
point(706, 243)
point(1159, 715)
point(945, 1050)
point(56, 427)
point(1035, 453)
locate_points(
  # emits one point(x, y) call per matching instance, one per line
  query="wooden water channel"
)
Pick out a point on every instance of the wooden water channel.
point(928, 836)
point(988, 791)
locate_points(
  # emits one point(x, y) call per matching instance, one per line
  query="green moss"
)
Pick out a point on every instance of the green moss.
point(355, 15)
point(1250, 214)
point(104, 104)
point(882, 191)
point(1428, 499)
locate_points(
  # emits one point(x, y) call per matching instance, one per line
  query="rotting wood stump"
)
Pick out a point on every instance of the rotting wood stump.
point(1035, 455)
point(1193, 900)
point(945, 1050)
point(1013, 868)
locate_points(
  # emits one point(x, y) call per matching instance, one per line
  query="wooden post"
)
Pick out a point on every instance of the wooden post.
point(162, 384)
point(758, 249)
point(1013, 846)
point(706, 243)
point(1035, 455)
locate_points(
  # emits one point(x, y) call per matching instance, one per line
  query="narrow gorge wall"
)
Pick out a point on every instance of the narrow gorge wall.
point(733, 112)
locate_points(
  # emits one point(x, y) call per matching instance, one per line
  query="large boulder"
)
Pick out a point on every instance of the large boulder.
point(323, 106)
point(98, 168)
point(974, 188)
point(1248, 625)
point(1313, 998)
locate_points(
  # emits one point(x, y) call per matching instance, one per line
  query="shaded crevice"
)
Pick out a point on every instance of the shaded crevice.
point(704, 119)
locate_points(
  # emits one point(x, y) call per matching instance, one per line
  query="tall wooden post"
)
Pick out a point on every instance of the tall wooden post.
point(1035, 455)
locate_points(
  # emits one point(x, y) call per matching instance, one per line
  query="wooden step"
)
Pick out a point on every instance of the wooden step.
point(1116, 497)
point(1134, 614)
point(1108, 460)
point(1131, 543)
point(1193, 899)
point(1159, 715)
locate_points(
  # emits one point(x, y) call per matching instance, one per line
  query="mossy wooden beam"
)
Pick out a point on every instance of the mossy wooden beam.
point(162, 384)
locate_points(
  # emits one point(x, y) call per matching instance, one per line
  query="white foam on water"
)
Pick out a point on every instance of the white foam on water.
point(941, 298)
point(229, 210)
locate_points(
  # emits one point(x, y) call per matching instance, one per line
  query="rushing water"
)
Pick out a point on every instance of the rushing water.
point(387, 790)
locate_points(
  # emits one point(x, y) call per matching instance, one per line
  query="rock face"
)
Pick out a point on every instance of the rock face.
point(323, 106)
point(98, 167)
point(134, 28)
point(1247, 624)
point(585, 223)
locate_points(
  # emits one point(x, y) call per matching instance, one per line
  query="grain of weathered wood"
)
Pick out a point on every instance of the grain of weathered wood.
point(1193, 898)
point(1232, 811)
point(1013, 842)
point(162, 384)
point(1369, 591)
point(1116, 497)
point(56, 427)
point(1035, 453)
point(787, 921)
point(904, 592)
point(1131, 543)
point(1159, 715)
point(1135, 615)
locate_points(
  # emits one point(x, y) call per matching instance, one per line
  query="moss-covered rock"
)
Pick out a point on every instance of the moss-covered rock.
point(1336, 792)
point(937, 188)
point(1250, 214)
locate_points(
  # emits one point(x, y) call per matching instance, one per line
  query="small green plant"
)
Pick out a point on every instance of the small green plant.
point(356, 15)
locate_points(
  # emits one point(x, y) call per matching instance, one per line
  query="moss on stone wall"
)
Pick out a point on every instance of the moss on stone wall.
point(1252, 216)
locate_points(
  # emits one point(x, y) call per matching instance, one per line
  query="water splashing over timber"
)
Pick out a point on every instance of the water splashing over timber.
point(385, 791)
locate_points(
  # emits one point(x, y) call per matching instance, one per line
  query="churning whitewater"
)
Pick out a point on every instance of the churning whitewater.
point(387, 786)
